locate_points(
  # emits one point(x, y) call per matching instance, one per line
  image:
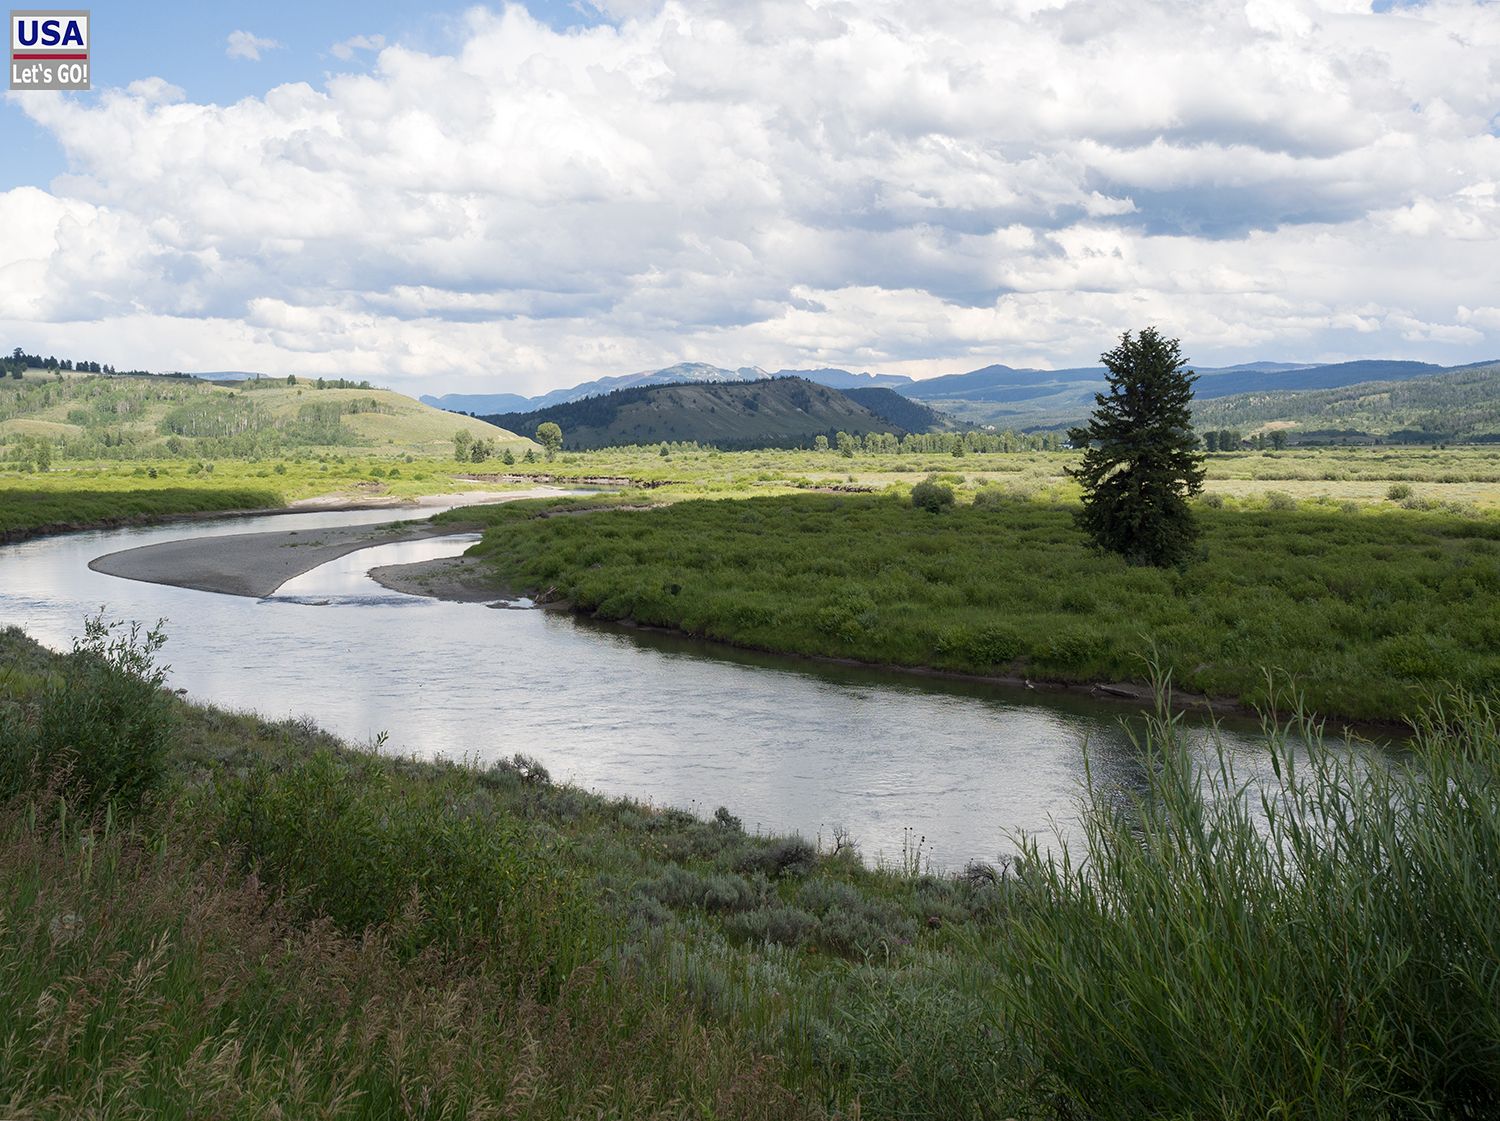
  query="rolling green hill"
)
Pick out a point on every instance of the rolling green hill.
point(780, 412)
point(1459, 406)
point(111, 417)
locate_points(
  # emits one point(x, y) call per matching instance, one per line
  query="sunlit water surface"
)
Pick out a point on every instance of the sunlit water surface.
point(785, 745)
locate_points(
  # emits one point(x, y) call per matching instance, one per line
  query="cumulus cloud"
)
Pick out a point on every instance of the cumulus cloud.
point(242, 44)
point(794, 182)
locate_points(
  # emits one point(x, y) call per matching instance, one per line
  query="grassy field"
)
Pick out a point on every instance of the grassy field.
point(1466, 479)
point(1366, 609)
point(89, 493)
point(485, 943)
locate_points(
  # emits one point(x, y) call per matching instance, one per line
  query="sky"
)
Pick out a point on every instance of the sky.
point(520, 197)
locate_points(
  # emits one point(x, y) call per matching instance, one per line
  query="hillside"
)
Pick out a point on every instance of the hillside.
point(783, 412)
point(103, 416)
point(1034, 399)
point(903, 411)
point(684, 372)
point(1461, 405)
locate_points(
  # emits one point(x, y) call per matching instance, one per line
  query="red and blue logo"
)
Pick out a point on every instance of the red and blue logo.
point(49, 50)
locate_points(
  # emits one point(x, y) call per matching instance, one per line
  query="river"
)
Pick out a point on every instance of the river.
point(897, 762)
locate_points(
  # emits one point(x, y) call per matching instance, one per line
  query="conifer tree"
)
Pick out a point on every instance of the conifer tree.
point(1141, 461)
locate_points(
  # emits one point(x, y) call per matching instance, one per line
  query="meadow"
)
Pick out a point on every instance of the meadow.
point(78, 494)
point(1465, 480)
point(486, 943)
point(1367, 611)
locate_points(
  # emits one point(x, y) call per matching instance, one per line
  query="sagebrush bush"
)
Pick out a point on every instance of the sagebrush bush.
point(787, 926)
point(779, 856)
point(679, 887)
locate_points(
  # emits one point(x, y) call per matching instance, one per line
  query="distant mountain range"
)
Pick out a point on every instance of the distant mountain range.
point(1451, 405)
point(756, 413)
point(997, 395)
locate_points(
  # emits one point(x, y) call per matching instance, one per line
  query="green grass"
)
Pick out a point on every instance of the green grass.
point(1365, 609)
point(1466, 477)
point(30, 509)
point(287, 926)
point(83, 494)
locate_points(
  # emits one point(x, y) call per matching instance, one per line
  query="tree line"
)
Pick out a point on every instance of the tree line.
point(17, 362)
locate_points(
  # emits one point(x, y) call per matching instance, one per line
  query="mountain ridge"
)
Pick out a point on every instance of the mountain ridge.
point(998, 395)
point(775, 412)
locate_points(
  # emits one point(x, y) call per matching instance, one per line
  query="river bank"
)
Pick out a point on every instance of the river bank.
point(1361, 613)
point(466, 579)
point(451, 931)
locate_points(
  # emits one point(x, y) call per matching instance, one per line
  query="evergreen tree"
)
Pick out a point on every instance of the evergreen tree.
point(1141, 461)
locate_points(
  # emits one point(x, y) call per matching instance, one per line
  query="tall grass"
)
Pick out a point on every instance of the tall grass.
point(437, 860)
point(1365, 610)
point(279, 926)
point(1328, 948)
point(29, 509)
point(141, 978)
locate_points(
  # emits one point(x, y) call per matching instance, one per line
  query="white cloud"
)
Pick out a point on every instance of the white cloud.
point(347, 48)
point(919, 188)
point(242, 44)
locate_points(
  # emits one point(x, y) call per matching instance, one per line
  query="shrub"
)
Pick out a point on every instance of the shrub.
point(848, 617)
point(411, 855)
point(982, 646)
point(677, 887)
point(785, 856)
point(1398, 491)
point(728, 821)
point(789, 926)
point(931, 495)
point(103, 724)
point(1280, 500)
point(851, 922)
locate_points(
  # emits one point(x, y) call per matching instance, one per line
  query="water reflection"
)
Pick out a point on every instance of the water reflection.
point(785, 745)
